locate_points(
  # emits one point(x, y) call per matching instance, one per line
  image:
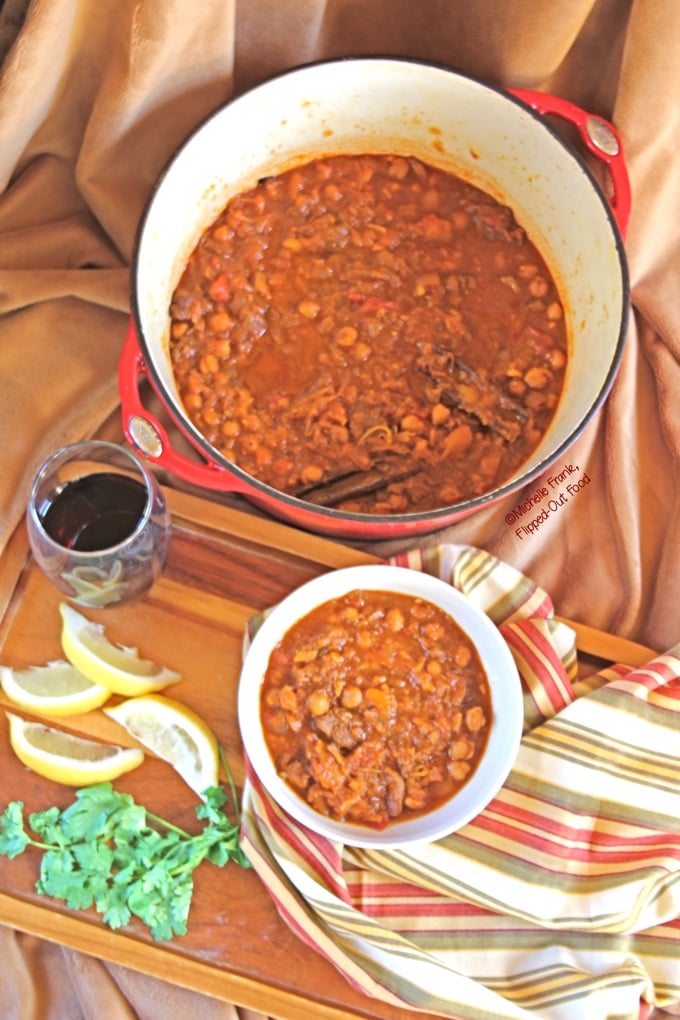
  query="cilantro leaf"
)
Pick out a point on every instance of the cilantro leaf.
point(107, 851)
point(13, 836)
point(113, 905)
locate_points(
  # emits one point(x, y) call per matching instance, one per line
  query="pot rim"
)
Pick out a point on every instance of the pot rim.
point(252, 487)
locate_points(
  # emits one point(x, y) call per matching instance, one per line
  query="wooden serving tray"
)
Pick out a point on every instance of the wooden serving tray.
point(224, 565)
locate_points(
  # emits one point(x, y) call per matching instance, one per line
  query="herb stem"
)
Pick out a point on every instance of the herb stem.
point(167, 825)
point(38, 845)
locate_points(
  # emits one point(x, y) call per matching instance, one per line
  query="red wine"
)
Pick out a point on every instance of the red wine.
point(95, 512)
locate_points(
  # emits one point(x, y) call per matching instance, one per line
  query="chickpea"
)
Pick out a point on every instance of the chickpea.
point(449, 494)
point(538, 286)
point(251, 422)
point(364, 639)
point(557, 359)
point(211, 416)
point(431, 199)
point(220, 322)
point(249, 443)
point(535, 399)
point(222, 347)
point(346, 336)
point(395, 620)
point(309, 309)
point(333, 192)
point(458, 440)
point(398, 501)
point(537, 378)
point(439, 414)
point(208, 364)
point(458, 770)
point(475, 718)
point(399, 168)
point(311, 474)
point(425, 681)
point(193, 401)
point(351, 696)
point(412, 423)
point(517, 387)
point(462, 656)
point(278, 723)
point(318, 703)
point(287, 698)
point(178, 329)
point(461, 749)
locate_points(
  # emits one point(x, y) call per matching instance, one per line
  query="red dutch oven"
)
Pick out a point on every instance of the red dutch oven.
point(499, 139)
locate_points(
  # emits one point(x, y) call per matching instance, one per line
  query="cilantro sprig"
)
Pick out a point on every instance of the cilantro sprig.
point(107, 851)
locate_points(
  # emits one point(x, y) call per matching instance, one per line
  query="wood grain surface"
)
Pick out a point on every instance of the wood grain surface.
point(223, 566)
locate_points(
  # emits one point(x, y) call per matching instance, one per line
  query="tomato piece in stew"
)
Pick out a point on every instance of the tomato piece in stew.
point(375, 707)
point(369, 332)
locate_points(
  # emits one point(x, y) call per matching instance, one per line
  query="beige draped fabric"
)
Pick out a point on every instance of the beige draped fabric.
point(95, 96)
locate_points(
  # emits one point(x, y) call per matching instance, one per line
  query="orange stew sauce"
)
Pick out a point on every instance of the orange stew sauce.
point(375, 707)
point(371, 333)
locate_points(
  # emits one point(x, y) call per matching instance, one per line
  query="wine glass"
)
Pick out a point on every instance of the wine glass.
point(98, 524)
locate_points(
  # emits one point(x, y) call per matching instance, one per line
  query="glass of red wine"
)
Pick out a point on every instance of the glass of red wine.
point(98, 524)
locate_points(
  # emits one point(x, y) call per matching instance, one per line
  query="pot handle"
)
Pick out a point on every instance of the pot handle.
point(600, 138)
point(148, 436)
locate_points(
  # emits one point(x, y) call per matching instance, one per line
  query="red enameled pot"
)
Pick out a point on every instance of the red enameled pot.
point(499, 139)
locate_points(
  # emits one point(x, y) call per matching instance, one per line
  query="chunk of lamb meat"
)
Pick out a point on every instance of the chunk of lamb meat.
point(395, 791)
point(340, 727)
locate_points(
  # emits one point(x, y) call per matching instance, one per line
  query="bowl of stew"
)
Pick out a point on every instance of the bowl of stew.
point(379, 707)
point(375, 295)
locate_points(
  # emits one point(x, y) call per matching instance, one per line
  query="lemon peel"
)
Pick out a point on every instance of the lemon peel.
point(55, 689)
point(175, 733)
point(94, 587)
point(66, 758)
point(117, 667)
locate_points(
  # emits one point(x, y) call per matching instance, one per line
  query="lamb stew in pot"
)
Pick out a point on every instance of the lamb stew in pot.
point(369, 332)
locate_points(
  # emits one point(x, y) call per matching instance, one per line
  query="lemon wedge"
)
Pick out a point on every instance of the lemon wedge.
point(175, 733)
point(67, 759)
point(56, 689)
point(116, 667)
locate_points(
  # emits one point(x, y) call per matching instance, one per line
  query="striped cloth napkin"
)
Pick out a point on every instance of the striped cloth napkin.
point(562, 899)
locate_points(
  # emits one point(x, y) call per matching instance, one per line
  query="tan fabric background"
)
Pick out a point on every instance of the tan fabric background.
point(94, 96)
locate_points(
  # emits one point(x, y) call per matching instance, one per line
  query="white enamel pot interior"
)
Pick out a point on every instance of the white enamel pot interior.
point(393, 106)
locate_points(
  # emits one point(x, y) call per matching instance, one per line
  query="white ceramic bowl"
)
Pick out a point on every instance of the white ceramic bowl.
point(504, 683)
